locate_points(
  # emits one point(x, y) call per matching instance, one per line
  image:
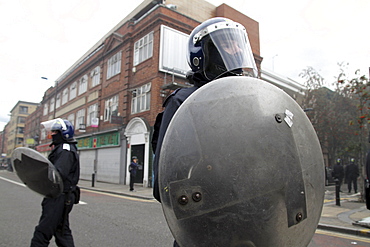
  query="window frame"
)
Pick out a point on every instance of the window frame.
point(143, 48)
point(114, 65)
point(110, 106)
point(141, 97)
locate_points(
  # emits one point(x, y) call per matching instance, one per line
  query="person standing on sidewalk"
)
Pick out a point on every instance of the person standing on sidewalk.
point(352, 174)
point(338, 172)
point(132, 169)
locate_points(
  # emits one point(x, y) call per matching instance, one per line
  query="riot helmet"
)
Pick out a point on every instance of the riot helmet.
point(219, 47)
point(62, 125)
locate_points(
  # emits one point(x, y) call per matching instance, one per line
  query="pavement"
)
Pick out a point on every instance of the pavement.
point(351, 217)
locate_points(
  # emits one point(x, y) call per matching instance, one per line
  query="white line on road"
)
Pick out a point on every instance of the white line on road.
point(20, 184)
point(14, 182)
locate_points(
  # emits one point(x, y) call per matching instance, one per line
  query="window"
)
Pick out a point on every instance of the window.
point(73, 90)
point(141, 99)
point(111, 108)
point(80, 118)
point(114, 65)
point(143, 48)
point(92, 112)
point(71, 119)
point(57, 103)
point(23, 109)
point(46, 109)
point(83, 85)
point(95, 76)
point(20, 130)
point(51, 108)
point(65, 96)
point(21, 120)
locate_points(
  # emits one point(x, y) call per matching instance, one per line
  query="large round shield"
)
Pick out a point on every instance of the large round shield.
point(37, 172)
point(241, 165)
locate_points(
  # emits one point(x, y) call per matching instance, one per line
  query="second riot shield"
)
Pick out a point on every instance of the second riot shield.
point(241, 165)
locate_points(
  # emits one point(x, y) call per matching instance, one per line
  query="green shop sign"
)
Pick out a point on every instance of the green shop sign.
point(98, 141)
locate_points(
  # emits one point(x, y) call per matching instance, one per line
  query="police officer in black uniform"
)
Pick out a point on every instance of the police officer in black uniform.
point(54, 218)
point(217, 48)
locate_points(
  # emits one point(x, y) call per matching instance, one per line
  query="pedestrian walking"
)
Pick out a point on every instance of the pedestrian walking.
point(54, 220)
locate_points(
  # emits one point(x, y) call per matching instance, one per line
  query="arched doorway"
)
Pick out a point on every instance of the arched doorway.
point(138, 143)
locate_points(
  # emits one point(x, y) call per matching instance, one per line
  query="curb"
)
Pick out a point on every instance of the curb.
point(346, 230)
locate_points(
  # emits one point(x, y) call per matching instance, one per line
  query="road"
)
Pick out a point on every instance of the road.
point(107, 220)
point(100, 220)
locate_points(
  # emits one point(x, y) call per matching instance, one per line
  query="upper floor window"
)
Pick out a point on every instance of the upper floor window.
point(46, 109)
point(114, 65)
point(73, 91)
point(21, 120)
point(23, 109)
point(141, 99)
point(51, 105)
point(71, 119)
point(92, 112)
point(143, 48)
point(111, 108)
point(65, 96)
point(57, 102)
point(83, 85)
point(80, 121)
point(95, 76)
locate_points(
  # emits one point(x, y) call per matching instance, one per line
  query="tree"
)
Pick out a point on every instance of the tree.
point(340, 117)
point(331, 117)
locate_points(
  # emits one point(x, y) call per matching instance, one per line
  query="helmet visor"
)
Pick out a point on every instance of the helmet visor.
point(228, 47)
point(54, 124)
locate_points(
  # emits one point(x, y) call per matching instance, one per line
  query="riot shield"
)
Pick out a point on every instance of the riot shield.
point(37, 172)
point(241, 165)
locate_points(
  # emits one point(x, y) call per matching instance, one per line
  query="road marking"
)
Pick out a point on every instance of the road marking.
point(20, 184)
point(120, 196)
point(14, 182)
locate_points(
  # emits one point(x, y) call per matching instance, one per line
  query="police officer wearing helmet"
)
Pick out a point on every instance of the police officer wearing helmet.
point(54, 218)
point(217, 48)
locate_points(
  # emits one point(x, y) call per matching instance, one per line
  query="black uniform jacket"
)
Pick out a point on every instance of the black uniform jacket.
point(65, 158)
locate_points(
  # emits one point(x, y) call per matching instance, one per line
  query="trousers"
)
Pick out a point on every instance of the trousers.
point(53, 218)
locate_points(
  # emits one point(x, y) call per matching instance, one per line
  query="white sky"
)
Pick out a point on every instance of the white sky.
point(43, 38)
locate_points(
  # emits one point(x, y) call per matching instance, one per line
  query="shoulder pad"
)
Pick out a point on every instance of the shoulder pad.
point(66, 146)
point(172, 94)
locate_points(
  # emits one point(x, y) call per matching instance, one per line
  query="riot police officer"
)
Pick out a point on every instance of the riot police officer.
point(218, 47)
point(338, 172)
point(352, 173)
point(54, 220)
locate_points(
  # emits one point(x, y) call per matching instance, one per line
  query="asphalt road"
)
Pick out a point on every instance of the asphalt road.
point(108, 220)
point(100, 220)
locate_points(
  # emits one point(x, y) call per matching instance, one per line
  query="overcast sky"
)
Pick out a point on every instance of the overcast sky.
point(43, 38)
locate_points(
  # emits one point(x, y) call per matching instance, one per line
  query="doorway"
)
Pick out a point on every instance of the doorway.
point(138, 151)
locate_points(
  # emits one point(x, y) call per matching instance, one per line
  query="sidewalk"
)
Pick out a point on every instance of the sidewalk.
point(347, 218)
point(350, 217)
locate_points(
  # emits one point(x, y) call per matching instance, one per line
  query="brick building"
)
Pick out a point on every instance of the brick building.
point(113, 93)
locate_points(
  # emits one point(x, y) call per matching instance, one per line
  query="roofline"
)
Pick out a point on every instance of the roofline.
point(282, 81)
